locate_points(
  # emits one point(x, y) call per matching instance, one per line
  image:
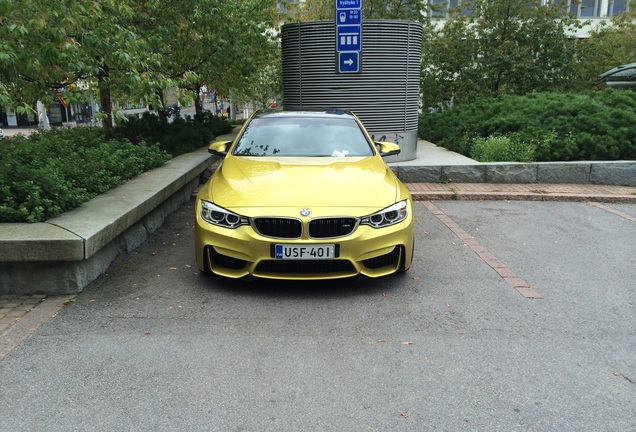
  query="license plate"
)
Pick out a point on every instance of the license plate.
point(307, 252)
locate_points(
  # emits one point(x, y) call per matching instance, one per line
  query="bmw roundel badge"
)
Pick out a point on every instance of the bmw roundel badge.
point(305, 212)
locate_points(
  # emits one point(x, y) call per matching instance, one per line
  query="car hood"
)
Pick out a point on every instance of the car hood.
point(290, 181)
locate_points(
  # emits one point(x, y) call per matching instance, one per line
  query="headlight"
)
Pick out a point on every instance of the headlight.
point(219, 216)
point(389, 216)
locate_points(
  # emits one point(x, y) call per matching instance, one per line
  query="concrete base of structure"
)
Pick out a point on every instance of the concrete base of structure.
point(64, 277)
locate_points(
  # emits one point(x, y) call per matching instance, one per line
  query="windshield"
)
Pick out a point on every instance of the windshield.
point(303, 136)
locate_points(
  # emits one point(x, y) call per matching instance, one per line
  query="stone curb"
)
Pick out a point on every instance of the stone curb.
point(65, 254)
point(82, 232)
point(597, 173)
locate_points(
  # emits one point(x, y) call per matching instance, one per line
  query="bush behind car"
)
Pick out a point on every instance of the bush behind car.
point(182, 135)
point(560, 127)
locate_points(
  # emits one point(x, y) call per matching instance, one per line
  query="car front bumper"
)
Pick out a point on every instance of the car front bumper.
point(241, 252)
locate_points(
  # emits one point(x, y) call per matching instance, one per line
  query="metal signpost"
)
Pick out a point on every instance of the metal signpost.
point(348, 35)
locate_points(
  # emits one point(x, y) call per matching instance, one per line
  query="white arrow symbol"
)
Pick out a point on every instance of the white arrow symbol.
point(348, 62)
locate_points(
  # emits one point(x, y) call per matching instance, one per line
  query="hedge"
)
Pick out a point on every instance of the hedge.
point(182, 135)
point(51, 172)
point(561, 127)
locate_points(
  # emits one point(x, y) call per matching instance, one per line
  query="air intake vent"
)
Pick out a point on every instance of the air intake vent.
point(332, 227)
point(278, 227)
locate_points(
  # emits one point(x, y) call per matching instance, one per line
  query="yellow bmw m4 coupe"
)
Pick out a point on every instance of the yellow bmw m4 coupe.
point(303, 196)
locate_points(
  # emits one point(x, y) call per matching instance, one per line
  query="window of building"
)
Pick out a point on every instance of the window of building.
point(617, 6)
point(588, 8)
point(439, 9)
point(583, 9)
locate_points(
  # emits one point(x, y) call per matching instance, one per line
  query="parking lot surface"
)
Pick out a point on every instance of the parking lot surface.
point(515, 316)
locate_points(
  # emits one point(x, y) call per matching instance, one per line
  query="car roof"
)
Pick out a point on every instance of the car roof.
point(333, 112)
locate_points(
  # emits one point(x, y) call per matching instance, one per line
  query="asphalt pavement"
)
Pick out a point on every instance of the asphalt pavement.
point(456, 344)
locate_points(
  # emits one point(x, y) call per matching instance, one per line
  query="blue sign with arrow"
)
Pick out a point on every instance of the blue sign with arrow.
point(349, 62)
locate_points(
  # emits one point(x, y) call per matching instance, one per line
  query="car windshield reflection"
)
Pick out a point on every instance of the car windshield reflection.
point(308, 137)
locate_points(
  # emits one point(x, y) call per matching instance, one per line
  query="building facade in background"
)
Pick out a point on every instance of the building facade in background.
point(584, 9)
point(594, 11)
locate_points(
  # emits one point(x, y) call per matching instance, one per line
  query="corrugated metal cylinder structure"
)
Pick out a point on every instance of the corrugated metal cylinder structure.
point(384, 94)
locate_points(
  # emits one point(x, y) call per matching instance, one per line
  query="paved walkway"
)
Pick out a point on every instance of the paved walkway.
point(523, 192)
point(12, 308)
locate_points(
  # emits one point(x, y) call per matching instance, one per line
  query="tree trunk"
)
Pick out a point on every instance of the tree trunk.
point(162, 111)
point(104, 97)
point(198, 105)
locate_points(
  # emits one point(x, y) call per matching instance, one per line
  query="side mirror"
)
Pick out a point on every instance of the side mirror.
point(219, 148)
point(387, 148)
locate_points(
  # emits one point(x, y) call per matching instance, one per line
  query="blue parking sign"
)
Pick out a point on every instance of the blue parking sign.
point(348, 35)
point(349, 38)
point(348, 16)
point(349, 62)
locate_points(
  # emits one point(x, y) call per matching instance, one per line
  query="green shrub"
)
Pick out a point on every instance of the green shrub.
point(182, 135)
point(501, 149)
point(48, 173)
point(51, 172)
point(562, 127)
